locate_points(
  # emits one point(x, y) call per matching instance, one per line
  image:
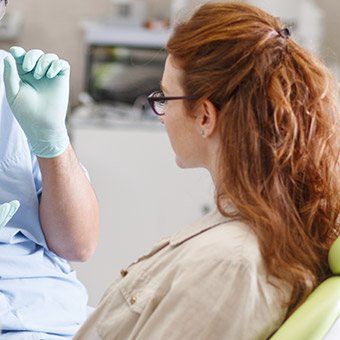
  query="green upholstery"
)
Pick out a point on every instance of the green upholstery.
point(334, 257)
point(316, 316)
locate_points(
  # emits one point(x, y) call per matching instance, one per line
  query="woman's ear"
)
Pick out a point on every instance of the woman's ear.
point(206, 118)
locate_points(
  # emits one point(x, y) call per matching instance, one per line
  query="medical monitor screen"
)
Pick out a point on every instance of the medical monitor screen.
point(124, 74)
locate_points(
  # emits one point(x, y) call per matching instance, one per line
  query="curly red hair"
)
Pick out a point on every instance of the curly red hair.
point(278, 122)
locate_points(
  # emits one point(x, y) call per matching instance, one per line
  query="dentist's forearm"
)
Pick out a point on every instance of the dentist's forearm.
point(69, 211)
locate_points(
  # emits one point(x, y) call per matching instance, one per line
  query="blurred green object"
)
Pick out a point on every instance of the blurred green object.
point(37, 90)
point(316, 316)
point(334, 258)
point(7, 210)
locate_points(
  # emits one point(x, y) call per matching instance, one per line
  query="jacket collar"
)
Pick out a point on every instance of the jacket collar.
point(207, 222)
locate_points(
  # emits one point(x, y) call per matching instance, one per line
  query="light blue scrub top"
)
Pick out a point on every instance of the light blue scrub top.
point(40, 296)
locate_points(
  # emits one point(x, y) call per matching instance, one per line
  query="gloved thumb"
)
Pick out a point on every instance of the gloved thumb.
point(11, 78)
point(7, 210)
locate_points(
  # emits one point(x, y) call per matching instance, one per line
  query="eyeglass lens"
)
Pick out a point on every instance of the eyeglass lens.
point(159, 104)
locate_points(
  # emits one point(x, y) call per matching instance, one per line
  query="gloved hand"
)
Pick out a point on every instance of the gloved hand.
point(7, 210)
point(37, 90)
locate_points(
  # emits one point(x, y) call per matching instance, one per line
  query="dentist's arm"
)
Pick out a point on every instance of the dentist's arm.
point(37, 90)
point(68, 209)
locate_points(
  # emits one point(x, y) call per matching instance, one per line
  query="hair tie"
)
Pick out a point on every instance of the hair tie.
point(284, 33)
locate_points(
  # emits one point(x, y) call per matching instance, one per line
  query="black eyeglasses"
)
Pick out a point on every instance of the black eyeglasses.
point(158, 101)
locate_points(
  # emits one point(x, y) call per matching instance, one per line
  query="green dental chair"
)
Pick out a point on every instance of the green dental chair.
point(318, 318)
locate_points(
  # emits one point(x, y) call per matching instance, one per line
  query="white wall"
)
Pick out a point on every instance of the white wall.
point(142, 194)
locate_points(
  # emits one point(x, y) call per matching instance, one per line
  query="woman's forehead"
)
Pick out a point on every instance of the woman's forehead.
point(172, 76)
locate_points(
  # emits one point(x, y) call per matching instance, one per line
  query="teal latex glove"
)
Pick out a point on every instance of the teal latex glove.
point(37, 90)
point(7, 210)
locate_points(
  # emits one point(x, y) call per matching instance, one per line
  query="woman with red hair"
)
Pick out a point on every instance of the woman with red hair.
point(240, 98)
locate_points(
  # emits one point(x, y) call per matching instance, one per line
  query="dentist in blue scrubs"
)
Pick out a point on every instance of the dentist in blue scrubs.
point(48, 210)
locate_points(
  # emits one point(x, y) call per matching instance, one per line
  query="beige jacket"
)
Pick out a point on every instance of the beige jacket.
point(206, 282)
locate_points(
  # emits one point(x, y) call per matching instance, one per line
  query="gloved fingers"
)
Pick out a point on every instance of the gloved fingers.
point(11, 77)
point(18, 54)
point(7, 210)
point(30, 60)
point(44, 64)
point(58, 67)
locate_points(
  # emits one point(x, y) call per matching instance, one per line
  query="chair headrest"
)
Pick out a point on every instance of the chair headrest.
point(334, 256)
